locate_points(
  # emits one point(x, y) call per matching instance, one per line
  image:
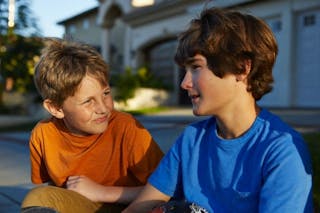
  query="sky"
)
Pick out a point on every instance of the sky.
point(49, 12)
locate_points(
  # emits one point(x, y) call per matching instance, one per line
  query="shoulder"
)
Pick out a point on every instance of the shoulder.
point(125, 124)
point(48, 128)
point(281, 140)
point(47, 124)
point(192, 137)
point(122, 120)
point(121, 117)
point(273, 126)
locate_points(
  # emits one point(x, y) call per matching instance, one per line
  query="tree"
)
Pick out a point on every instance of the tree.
point(25, 22)
point(19, 46)
point(18, 59)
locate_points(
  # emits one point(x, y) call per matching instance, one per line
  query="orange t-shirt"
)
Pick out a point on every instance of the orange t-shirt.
point(124, 155)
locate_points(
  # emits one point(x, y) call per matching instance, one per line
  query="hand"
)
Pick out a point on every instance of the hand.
point(86, 187)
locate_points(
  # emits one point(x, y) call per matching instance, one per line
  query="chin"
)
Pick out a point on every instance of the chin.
point(196, 111)
point(200, 112)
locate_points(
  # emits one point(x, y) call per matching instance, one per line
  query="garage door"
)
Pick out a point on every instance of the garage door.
point(276, 98)
point(161, 59)
point(307, 69)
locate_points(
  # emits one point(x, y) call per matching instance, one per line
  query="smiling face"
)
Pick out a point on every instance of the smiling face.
point(210, 95)
point(88, 110)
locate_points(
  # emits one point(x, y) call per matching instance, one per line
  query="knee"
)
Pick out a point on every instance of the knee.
point(40, 196)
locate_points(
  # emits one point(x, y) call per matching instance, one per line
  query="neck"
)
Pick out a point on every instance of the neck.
point(235, 124)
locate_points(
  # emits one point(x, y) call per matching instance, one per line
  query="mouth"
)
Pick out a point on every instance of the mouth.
point(194, 97)
point(101, 119)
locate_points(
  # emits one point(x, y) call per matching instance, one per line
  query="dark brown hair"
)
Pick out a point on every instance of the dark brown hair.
point(62, 66)
point(227, 38)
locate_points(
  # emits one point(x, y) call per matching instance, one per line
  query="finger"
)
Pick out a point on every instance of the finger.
point(73, 177)
point(71, 185)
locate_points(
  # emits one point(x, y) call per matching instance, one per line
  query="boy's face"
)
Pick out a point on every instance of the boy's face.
point(88, 111)
point(209, 94)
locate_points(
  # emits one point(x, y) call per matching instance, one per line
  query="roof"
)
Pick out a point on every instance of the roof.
point(93, 10)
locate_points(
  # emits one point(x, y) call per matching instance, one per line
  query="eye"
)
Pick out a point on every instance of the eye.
point(195, 67)
point(87, 101)
point(106, 92)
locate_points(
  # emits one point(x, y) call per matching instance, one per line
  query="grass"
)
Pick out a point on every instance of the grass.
point(147, 111)
point(312, 140)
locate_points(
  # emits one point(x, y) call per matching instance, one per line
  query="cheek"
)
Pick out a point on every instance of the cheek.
point(81, 115)
point(108, 102)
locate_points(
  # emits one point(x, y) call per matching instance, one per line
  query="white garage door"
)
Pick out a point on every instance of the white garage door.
point(307, 69)
point(276, 98)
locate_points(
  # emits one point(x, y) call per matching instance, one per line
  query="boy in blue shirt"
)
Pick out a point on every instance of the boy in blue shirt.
point(243, 158)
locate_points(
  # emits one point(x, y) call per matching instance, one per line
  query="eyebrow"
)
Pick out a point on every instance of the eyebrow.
point(191, 60)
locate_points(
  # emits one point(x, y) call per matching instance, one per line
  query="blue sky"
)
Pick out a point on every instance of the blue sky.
point(49, 12)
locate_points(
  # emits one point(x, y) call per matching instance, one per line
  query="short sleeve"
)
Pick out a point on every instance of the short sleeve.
point(39, 172)
point(144, 154)
point(287, 177)
point(167, 176)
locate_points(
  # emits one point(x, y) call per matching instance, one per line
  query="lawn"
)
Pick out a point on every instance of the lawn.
point(313, 141)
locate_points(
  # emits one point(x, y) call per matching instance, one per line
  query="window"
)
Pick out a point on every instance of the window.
point(309, 20)
point(72, 28)
point(276, 26)
point(85, 24)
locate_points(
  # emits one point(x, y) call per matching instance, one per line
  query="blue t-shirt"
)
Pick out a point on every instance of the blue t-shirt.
point(267, 169)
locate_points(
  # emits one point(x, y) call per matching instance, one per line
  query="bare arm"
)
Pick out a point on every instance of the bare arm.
point(99, 193)
point(149, 198)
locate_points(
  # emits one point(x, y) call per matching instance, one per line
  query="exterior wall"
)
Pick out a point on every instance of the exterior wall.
point(117, 45)
point(85, 29)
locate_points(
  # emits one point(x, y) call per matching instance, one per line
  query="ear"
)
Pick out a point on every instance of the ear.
point(246, 71)
point(53, 109)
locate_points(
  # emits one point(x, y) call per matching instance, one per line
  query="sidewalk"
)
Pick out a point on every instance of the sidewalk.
point(15, 169)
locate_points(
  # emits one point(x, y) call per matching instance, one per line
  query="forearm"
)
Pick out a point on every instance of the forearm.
point(142, 206)
point(148, 198)
point(118, 194)
point(100, 193)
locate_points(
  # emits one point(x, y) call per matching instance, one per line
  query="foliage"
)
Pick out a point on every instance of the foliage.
point(18, 53)
point(25, 22)
point(148, 80)
point(313, 141)
point(147, 111)
point(18, 56)
point(127, 82)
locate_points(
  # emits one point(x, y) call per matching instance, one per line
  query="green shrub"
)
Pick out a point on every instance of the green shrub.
point(313, 141)
point(127, 82)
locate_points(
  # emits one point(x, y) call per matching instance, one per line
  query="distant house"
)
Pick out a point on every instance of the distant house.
point(84, 27)
point(135, 37)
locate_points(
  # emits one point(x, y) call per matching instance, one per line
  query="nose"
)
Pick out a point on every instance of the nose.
point(187, 81)
point(100, 107)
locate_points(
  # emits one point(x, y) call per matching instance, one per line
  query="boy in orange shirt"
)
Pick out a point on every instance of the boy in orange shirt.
point(95, 157)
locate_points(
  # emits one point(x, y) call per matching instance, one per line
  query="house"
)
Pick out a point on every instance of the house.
point(135, 37)
point(84, 27)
